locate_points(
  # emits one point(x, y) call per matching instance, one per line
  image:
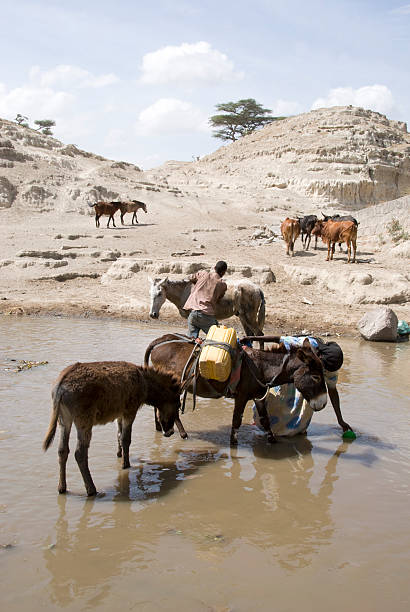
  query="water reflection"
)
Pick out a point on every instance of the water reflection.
point(244, 520)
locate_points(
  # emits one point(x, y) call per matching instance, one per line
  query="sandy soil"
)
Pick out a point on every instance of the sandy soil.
point(32, 285)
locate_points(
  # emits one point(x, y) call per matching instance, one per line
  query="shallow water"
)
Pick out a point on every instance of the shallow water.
point(195, 525)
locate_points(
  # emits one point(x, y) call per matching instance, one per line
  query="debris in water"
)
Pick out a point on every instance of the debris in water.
point(22, 364)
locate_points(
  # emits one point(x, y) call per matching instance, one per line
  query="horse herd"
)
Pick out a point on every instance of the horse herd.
point(109, 209)
point(332, 229)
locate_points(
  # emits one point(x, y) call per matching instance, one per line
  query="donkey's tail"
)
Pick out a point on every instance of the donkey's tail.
point(53, 422)
point(262, 310)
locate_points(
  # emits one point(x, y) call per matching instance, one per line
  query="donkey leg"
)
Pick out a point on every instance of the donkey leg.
point(81, 456)
point(63, 451)
point(181, 429)
point(97, 221)
point(119, 433)
point(237, 419)
point(157, 421)
point(126, 441)
point(264, 419)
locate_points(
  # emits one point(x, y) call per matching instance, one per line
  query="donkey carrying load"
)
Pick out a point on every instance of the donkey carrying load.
point(259, 371)
point(242, 298)
point(96, 393)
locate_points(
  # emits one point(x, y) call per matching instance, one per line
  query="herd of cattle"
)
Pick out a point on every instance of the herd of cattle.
point(110, 208)
point(331, 229)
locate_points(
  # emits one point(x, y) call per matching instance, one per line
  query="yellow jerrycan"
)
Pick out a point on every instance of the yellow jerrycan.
point(215, 362)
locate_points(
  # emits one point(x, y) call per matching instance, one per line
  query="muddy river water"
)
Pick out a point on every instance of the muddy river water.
point(313, 523)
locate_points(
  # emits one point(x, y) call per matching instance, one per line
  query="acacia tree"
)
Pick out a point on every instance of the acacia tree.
point(44, 126)
point(21, 120)
point(239, 119)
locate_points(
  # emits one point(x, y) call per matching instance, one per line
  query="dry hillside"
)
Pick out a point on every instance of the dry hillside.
point(227, 205)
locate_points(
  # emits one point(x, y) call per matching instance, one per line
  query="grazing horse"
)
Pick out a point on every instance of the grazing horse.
point(132, 206)
point(242, 298)
point(105, 208)
point(259, 371)
point(96, 393)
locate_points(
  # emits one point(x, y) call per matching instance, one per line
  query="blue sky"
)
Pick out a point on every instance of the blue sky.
point(137, 81)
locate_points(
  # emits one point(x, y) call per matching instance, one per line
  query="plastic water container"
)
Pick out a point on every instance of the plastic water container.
point(214, 362)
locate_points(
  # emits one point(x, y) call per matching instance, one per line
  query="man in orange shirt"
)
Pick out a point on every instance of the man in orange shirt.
point(207, 290)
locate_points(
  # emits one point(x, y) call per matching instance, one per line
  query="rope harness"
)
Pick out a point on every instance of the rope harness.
point(190, 372)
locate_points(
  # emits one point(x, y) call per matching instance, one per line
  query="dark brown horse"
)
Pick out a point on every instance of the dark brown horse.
point(105, 208)
point(96, 393)
point(259, 370)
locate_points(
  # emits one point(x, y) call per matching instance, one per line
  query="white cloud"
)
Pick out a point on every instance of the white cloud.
point(401, 10)
point(375, 97)
point(69, 77)
point(286, 107)
point(187, 63)
point(168, 115)
point(33, 101)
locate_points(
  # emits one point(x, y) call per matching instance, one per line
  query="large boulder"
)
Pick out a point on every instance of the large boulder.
point(379, 325)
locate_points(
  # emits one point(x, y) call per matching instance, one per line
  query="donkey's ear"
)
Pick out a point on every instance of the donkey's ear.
point(163, 281)
point(305, 351)
point(306, 345)
point(151, 280)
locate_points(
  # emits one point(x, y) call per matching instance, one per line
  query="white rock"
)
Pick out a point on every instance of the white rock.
point(379, 325)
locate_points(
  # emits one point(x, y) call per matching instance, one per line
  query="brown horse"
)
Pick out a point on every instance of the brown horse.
point(96, 393)
point(259, 370)
point(133, 206)
point(105, 208)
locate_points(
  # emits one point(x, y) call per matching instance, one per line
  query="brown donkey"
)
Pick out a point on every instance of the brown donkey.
point(96, 393)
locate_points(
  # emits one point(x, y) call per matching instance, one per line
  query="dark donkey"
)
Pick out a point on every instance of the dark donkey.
point(96, 393)
point(260, 370)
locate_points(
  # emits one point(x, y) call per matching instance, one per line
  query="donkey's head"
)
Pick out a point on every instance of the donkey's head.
point(309, 377)
point(165, 396)
point(158, 295)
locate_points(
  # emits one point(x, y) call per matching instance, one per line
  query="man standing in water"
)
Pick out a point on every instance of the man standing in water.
point(208, 288)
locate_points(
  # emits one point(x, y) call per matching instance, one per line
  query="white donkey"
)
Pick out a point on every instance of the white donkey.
point(242, 298)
